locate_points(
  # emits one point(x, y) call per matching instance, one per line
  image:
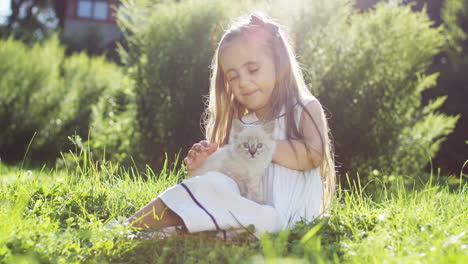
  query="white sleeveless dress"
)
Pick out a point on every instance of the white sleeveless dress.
point(212, 202)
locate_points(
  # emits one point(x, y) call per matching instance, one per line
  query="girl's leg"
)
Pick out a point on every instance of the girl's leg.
point(155, 215)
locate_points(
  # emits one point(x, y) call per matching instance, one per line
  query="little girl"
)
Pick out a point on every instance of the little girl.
point(256, 79)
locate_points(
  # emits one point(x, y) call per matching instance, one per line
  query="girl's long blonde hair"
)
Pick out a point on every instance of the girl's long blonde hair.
point(289, 89)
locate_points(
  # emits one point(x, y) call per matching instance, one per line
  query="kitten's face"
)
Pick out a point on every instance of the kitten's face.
point(253, 141)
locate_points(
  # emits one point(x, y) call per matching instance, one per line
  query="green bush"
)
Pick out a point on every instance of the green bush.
point(453, 82)
point(106, 128)
point(369, 70)
point(92, 83)
point(45, 93)
point(30, 93)
point(113, 126)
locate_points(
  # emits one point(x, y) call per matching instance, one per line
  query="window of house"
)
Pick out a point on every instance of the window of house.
point(92, 9)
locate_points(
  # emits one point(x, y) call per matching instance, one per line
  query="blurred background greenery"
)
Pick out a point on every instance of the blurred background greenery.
point(126, 80)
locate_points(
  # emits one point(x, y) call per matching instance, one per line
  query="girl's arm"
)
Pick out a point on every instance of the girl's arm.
point(301, 160)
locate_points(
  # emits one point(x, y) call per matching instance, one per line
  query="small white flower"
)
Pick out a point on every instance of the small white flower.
point(381, 217)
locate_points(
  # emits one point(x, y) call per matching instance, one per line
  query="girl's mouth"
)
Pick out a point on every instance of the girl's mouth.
point(250, 93)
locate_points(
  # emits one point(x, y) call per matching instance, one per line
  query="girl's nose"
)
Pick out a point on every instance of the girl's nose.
point(243, 81)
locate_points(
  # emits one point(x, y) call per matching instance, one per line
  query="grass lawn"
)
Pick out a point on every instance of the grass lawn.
point(61, 216)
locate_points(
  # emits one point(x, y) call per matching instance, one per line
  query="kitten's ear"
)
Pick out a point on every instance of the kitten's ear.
point(269, 127)
point(237, 126)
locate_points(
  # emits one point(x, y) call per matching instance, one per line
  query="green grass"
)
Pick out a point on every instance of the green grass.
point(60, 216)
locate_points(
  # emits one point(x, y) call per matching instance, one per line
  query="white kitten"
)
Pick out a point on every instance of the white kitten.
point(245, 158)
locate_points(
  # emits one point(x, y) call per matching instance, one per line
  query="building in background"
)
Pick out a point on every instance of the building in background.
point(92, 22)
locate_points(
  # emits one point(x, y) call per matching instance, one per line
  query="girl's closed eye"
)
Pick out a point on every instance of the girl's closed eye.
point(251, 71)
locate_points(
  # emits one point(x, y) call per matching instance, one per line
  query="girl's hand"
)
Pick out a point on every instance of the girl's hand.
point(198, 153)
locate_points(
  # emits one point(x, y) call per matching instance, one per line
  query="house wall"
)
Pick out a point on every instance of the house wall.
point(104, 31)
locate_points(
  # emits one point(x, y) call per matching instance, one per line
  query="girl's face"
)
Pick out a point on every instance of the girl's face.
point(249, 72)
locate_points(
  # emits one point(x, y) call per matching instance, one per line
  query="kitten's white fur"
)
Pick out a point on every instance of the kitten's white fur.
point(245, 158)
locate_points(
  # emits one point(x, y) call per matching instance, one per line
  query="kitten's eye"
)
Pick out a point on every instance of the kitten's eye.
point(259, 145)
point(246, 145)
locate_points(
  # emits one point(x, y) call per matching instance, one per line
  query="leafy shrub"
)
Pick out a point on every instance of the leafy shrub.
point(43, 92)
point(453, 82)
point(99, 103)
point(113, 125)
point(86, 80)
point(30, 93)
point(369, 71)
